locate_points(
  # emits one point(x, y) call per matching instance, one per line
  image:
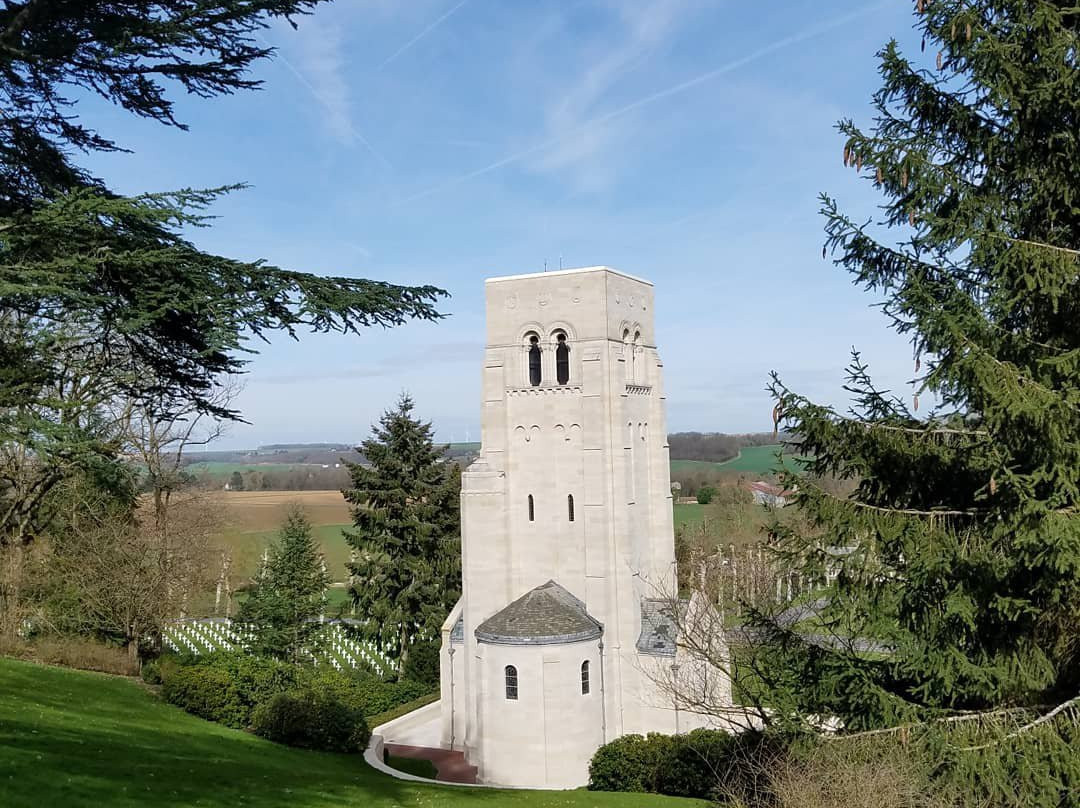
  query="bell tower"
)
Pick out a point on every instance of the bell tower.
point(571, 487)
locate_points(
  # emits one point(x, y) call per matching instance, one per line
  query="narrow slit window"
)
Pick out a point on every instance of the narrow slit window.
point(510, 673)
point(562, 360)
point(535, 372)
point(532, 509)
point(570, 506)
point(585, 678)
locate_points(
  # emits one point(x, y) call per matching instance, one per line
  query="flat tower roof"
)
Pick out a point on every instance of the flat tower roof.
point(577, 270)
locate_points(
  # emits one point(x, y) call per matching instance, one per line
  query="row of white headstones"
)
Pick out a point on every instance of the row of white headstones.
point(335, 645)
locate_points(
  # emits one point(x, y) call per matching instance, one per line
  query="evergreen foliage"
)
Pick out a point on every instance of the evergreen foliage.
point(288, 594)
point(958, 554)
point(102, 301)
point(406, 574)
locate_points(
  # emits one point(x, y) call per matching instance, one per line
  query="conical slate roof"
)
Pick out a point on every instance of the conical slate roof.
point(542, 616)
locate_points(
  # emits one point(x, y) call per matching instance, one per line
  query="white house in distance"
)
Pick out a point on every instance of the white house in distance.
point(561, 634)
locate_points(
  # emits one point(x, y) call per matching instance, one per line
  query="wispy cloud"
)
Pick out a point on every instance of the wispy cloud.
point(640, 28)
point(427, 30)
point(321, 70)
point(590, 125)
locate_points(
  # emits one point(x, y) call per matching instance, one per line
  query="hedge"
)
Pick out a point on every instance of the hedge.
point(706, 764)
point(402, 709)
point(311, 720)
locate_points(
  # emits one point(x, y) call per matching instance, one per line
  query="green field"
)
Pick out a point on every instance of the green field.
point(248, 546)
point(759, 460)
point(725, 523)
point(82, 739)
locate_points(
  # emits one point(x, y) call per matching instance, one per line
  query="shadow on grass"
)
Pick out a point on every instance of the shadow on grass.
point(71, 739)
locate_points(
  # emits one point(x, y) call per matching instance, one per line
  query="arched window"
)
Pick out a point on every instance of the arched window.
point(532, 510)
point(585, 678)
point(628, 355)
point(510, 674)
point(562, 360)
point(570, 506)
point(535, 374)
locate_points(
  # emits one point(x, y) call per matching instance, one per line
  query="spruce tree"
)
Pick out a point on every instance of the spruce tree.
point(958, 553)
point(288, 595)
point(406, 574)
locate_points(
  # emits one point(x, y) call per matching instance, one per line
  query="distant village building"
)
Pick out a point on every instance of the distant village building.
point(772, 495)
point(562, 631)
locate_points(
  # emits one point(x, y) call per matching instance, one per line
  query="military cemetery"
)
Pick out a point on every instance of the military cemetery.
point(652, 403)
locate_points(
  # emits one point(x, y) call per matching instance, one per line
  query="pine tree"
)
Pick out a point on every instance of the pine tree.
point(104, 300)
point(406, 574)
point(288, 595)
point(958, 554)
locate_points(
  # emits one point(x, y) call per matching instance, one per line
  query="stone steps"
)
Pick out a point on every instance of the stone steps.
point(451, 764)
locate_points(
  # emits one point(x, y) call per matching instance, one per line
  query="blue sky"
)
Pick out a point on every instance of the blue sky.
point(446, 141)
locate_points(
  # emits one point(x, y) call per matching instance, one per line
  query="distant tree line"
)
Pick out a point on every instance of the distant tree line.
point(715, 447)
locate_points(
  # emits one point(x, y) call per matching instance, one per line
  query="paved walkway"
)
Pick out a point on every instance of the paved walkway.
point(451, 765)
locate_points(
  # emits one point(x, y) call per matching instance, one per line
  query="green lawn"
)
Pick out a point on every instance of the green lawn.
point(81, 739)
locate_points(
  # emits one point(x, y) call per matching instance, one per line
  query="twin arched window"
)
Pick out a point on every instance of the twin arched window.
point(536, 362)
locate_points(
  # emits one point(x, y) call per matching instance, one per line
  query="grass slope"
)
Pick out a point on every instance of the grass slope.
point(81, 739)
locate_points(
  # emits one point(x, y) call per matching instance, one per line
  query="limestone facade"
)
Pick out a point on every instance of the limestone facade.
point(566, 524)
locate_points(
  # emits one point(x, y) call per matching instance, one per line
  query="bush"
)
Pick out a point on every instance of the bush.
point(422, 664)
point(250, 681)
point(695, 764)
point(705, 494)
point(311, 720)
point(402, 709)
point(361, 690)
point(629, 763)
point(705, 763)
point(151, 672)
point(208, 692)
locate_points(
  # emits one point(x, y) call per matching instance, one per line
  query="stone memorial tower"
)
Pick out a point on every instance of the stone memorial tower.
point(567, 539)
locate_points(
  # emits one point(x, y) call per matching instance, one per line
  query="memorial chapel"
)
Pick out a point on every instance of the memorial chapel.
point(567, 539)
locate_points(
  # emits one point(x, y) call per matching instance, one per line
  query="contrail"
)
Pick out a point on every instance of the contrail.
point(318, 96)
point(330, 108)
point(421, 35)
point(681, 87)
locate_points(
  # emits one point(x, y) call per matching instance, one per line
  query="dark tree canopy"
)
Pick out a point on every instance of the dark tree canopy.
point(104, 299)
point(129, 53)
point(959, 552)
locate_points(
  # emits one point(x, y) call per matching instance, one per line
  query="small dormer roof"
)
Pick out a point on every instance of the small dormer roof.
point(546, 615)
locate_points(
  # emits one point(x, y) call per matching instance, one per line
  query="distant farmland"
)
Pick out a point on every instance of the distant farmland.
point(253, 517)
point(752, 460)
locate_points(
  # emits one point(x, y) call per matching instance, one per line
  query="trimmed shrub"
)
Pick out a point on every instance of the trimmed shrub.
point(705, 763)
point(402, 709)
point(705, 494)
point(696, 764)
point(360, 690)
point(245, 681)
point(422, 664)
point(208, 692)
point(311, 720)
point(629, 763)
